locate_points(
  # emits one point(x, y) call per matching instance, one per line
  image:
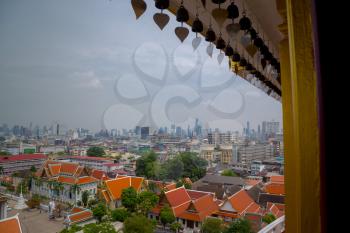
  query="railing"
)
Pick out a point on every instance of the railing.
point(276, 226)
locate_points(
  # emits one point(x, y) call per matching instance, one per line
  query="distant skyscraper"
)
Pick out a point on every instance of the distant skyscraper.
point(58, 129)
point(144, 132)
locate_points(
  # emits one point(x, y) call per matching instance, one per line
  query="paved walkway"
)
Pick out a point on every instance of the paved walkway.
point(35, 222)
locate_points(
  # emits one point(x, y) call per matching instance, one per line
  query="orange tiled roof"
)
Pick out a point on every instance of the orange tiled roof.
point(106, 196)
point(116, 186)
point(10, 225)
point(275, 188)
point(177, 196)
point(277, 179)
point(86, 180)
point(66, 179)
point(251, 182)
point(76, 209)
point(54, 169)
point(78, 171)
point(69, 168)
point(136, 182)
point(79, 216)
point(242, 202)
point(197, 194)
point(98, 174)
point(170, 186)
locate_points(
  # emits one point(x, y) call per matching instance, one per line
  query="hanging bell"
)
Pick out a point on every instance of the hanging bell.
point(228, 50)
point(253, 33)
point(258, 42)
point(210, 35)
point(268, 56)
point(249, 67)
point(182, 14)
point(245, 23)
point(264, 50)
point(197, 26)
point(232, 11)
point(218, 1)
point(274, 62)
point(243, 62)
point(236, 57)
point(162, 4)
point(263, 63)
point(220, 43)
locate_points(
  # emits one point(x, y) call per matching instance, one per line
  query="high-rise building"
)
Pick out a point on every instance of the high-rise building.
point(270, 128)
point(144, 132)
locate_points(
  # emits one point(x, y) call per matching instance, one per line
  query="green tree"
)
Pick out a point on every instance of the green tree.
point(73, 229)
point(2, 152)
point(129, 199)
point(147, 201)
point(1, 170)
point(99, 211)
point(194, 167)
point(175, 226)
point(212, 225)
point(85, 197)
point(269, 218)
point(148, 166)
point(228, 172)
point(137, 224)
point(120, 214)
point(105, 227)
point(239, 226)
point(32, 169)
point(173, 168)
point(95, 151)
point(166, 215)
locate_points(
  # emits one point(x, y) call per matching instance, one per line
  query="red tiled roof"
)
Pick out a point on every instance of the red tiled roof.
point(136, 182)
point(86, 180)
point(54, 169)
point(275, 188)
point(171, 186)
point(69, 168)
point(116, 186)
point(251, 182)
point(76, 209)
point(197, 194)
point(65, 179)
point(89, 158)
point(10, 225)
point(177, 196)
point(106, 196)
point(98, 174)
point(12, 158)
point(277, 179)
point(242, 202)
point(79, 216)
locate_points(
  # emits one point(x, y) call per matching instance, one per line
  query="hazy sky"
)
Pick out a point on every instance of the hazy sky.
point(91, 64)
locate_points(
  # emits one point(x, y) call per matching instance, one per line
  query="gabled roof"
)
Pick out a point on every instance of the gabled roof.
point(98, 174)
point(86, 180)
point(54, 169)
point(243, 203)
point(191, 204)
point(69, 168)
point(275, 188)
point(78, 215)
point(177, 197)
point(116, 186)
point(10, 225)
point(277, 179)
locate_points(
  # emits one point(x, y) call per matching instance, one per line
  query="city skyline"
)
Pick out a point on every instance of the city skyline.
point(72, 70)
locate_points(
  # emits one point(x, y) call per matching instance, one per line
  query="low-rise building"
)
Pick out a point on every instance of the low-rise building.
point(63, 181)
point(17, 163)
